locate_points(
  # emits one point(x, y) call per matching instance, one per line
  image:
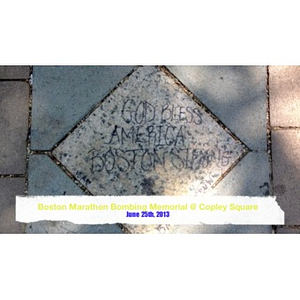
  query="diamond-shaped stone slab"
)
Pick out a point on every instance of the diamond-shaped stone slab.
point(149, 137)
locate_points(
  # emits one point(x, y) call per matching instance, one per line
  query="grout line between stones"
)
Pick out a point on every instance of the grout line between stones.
point(269, 141)
point(269, 131)
point(12, 176)
point(28, 141)
point(275, 128)
point(14, 79)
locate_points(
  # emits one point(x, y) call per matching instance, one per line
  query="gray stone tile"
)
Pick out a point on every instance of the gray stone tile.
point(236, 95)
point(14, 99)
point(62, 96)
point(285, 95)
point(286, 173)
point(46, 178)
point(9, 189)
point(14, 72)
point(287, 230)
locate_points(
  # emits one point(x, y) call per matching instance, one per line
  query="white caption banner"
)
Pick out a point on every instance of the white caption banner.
point(150, 209)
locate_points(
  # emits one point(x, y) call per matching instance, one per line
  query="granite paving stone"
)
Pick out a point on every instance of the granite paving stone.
point(46, 178)
point(286, 172)
point(285, 95)
point(14, 72)
point(63, 95)
point(235, 94)
point(14, 99)
point(154, 140)
point(9, 189)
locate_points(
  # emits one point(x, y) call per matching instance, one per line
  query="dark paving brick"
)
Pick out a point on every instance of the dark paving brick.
point(14, 72)
point(288, 230)
point(14, 97)
point(9, 189)
point(285, 95)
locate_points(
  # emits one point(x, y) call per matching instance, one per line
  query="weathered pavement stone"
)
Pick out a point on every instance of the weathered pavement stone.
point(14, 72)
point(14, 99)
point(62, 96)
point(286, 172)
point(9, 189)
point(285, 95)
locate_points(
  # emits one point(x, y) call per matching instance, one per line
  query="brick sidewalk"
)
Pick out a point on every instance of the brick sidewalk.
point(258, 104)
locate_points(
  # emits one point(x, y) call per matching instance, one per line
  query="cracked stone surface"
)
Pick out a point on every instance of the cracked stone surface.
point(149, 137)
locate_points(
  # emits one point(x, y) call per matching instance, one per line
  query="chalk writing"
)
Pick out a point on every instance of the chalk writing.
point(149, 141)
point(143, 112)
point(150, 159)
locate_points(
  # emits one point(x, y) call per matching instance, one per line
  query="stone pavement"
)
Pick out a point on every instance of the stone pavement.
point(49, 119)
